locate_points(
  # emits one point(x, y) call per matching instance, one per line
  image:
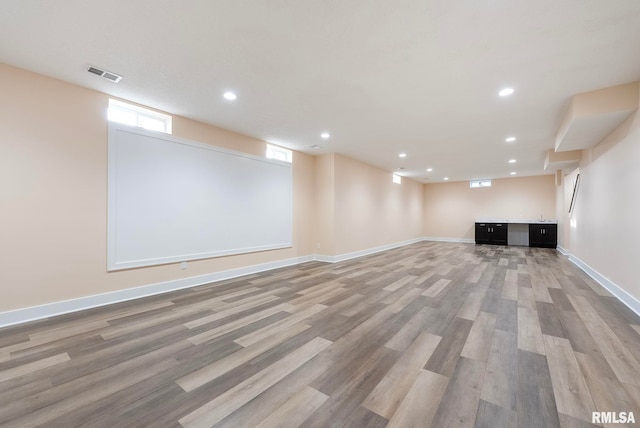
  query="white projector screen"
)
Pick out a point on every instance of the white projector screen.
point(172, 200)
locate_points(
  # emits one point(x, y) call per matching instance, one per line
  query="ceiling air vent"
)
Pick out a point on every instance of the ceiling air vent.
point(106, 74)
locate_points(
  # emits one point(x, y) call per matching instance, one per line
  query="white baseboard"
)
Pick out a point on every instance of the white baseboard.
point(34, 313)
point(563, 251)
point(48, 310)
point(323, 258)
point(459, 240)
point(361, 253)
point(626, 298)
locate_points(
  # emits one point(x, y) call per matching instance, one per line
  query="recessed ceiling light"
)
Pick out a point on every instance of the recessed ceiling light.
point(513, 173)
point(230, 96)
point(325, 135)
point(429, 169)
point(316, 147)
point(505, 92)
point(400, 167)
point(446, 178)
point(512, 161)
point(402, 155)
point(510, 139)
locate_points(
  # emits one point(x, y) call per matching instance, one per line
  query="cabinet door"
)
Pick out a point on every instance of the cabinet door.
point(550, 235)
point(482, 233)
point(542, 235)
point(499, 233)
point(535, 235)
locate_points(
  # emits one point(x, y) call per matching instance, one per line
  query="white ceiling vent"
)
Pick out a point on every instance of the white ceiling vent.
point(106, 74)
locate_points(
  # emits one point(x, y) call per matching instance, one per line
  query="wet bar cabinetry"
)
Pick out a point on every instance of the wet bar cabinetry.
point(543, 235)
point(534, 233)
point(491, 233)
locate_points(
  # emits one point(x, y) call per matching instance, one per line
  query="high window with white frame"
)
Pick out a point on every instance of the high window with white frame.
point(278, 153)
point(133, 115)
point(474, 184)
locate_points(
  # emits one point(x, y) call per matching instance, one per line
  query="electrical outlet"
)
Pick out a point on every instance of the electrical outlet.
point(318, 245)
point(183, 265)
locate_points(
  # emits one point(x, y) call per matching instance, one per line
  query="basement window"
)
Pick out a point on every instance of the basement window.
point(278, 153)
point(132, 115)
point(474, 184)
point(397, 179)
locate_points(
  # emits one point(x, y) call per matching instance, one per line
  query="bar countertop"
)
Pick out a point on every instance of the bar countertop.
point(516, 220)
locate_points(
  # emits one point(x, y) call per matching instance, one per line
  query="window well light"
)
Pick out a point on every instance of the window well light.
point(134, 115)
point(476, 184)
point(402, 155)
point(512, 161)
point(505, 92)
point(230, 96)
point(279, 153)
point(510, 139)
point(325, 135)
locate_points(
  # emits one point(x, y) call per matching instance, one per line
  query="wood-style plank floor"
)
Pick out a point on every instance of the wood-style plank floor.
point(431, 334)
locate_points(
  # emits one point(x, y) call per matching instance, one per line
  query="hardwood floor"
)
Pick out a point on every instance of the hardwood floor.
point(431, 334)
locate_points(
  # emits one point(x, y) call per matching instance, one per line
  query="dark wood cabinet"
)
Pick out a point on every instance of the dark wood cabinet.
point(491, 233)
point(543, 235)
point(482, 233)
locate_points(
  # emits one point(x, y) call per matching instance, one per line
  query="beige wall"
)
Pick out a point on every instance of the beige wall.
point(325, 210)
point(53, 202)
point(559, 211)
point(371, 210)
point(358, 207)
point(451, 208)
point(564, 192)
point(53, 167)
point(604, 231)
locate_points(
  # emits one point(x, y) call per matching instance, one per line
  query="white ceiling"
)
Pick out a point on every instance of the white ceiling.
point(383, 77)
